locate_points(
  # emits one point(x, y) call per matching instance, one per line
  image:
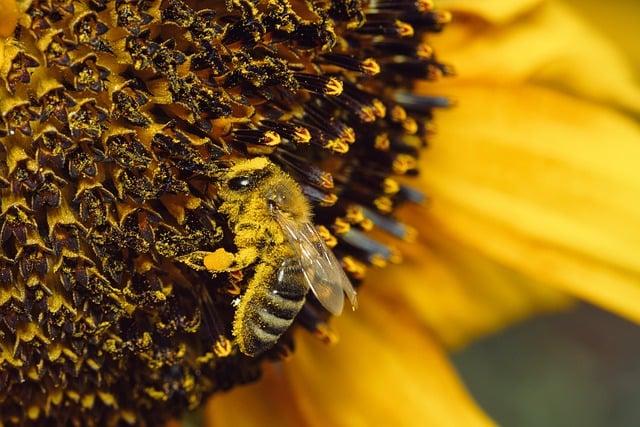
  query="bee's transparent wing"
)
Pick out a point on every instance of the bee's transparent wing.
point(321, 270)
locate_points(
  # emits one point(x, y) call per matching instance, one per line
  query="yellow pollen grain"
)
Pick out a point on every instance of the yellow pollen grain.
point(333, 87)
point(354, 214)
point(107, 398)
point(382, 142)
point(370, 66)
point(404, 29)
point(379, 109)
point(340, 226)
point(403, 163)
point(272, 138)
point(353, 267)
point(367, 114)
point(378, 261)
point(443, 17)
point(329, 200)
point(326, 235)
point(424, 5)
point(410, 126)
point(384, 204)
point(348, 134)
point(73, 395)
point(410, 234)
point(424, 51)
point(56, 396)
point(326, 180)
point(156, 394)
point(128, 416)
point(302, 135)
point(222, 347)
point(398, 114)
point(366, 224)
point(88, 400)
point(390, 186)
point(337, 145)
point(33, 412)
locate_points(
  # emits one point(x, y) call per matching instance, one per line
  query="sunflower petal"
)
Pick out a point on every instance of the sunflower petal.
point(495, 11)
point(548, 45)
point(457, 292)
point(544, 183)
point(385, 370)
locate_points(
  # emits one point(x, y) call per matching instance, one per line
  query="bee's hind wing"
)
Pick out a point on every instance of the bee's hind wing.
point(321, 270)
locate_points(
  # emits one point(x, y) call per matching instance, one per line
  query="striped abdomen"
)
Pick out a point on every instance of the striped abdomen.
point(268, 309)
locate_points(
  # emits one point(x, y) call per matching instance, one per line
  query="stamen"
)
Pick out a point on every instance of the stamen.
point(256, 136)
point(371, 247)
point(379, 26)
point(330, 86)
point(368, 66)
point(391, 225)
point(354, 268)
point(310, 173)
point(421, 104)
point(298, 134)
point(329, 239)
point(318, 196)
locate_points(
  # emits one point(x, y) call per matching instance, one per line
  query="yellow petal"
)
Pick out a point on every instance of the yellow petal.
point(456, 291)
point(496, 11)
point(544, 183)
point(548, 45)
point(618, 20)
point(385, 371)
point(8, 17)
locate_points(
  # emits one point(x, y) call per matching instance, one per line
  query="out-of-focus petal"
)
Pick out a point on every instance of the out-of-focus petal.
point(268, 402)
point(8, 17)
point(549, 45)
point(386, 370)
point(544, 183)
point(456, 291)
point(495, 11)
point(617, 20)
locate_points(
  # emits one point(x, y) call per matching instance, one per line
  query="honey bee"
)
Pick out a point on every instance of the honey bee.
point(273, 228)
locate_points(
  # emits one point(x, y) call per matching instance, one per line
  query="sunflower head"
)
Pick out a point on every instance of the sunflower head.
point(118, 120)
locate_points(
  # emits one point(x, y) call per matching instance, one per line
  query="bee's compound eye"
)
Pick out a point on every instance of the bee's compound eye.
point(239, 183)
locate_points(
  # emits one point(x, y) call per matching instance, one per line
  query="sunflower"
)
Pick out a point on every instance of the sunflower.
point(119, 119)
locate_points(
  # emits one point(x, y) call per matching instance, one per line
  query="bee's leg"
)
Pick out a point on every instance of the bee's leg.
point(221, 260)
point(273, 299)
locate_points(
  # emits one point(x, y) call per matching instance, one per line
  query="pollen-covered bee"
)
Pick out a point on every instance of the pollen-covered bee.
point(273, 229)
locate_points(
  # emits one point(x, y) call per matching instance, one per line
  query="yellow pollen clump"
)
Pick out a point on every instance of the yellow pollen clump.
point(371, 66)
point(333, 87)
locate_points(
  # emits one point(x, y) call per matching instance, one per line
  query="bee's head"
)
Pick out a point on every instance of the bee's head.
point(265, 186)
point(247, 175)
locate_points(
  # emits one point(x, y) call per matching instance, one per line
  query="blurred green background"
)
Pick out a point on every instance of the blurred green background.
point(580, 368)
